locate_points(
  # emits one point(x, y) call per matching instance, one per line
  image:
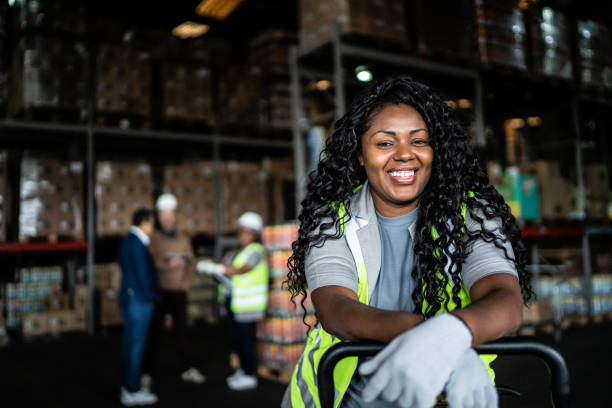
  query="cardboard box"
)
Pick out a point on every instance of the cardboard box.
point(57, 301)
point(59, 321)
point(107, 276)
point(569, 259)
point(596, 181)
point(80, 299)
point(109, 311)
point(538, 311)
point(35, 324)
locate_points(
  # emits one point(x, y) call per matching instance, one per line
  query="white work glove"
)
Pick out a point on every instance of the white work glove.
point(470, 385)
point(412, 370)
point(210, 268)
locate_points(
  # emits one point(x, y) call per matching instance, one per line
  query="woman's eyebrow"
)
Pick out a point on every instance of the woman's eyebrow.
point(413, 131)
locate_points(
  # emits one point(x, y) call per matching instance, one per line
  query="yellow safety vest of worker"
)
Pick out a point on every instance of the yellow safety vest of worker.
point(304, 391)
point(250, 289)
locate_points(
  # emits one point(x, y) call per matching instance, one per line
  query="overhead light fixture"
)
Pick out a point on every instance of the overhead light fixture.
point(534, 121)
point(189, 29)
point(464, 103)
point(323, 85)
point(516, 123)
point(363, 73)
point(217, 9)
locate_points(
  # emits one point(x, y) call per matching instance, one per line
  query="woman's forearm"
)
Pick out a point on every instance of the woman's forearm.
point(341, 314)
point(496, 309)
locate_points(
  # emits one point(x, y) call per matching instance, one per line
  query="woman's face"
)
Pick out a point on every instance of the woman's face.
point(397, 159)
point(245, 237)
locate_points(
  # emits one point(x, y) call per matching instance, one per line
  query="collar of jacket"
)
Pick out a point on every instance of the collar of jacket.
point(144, 238)
point(364, 214)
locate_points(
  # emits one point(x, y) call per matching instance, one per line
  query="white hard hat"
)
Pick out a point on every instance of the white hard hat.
point(166, 202)
point(251, 221)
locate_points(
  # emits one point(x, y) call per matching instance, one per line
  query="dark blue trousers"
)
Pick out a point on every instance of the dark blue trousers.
point(136, 321)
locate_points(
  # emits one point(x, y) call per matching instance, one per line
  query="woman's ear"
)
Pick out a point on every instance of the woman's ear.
point(360, 157)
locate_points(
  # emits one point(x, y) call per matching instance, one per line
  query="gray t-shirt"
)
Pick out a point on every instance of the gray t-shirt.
point(393, 290)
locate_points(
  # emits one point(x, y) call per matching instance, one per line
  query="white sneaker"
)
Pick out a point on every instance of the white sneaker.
point(238, 373)
point(140, 397)
point(194, 376)
point(244, 382)
point(146, 382)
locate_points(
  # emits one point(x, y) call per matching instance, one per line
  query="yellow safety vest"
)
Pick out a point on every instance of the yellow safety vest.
point(250, 290)
point(304, 391)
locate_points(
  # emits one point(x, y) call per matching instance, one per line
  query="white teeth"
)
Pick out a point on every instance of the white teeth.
point(402, 174)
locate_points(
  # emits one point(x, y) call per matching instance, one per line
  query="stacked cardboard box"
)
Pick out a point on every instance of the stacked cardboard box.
point(187, 92)
point(107, 280)
point(597, 185)
point(243, 189)
point(193, 186)
point(280, 171)
point(121, 188)
point(123, 81)
point(445, 28)
point(500, 33)
point(51, 198)
point(48, 72)
point(374, 18)
point(557, 195)
point(595, 53)
point(550, 43)
point(240, 94)
point(270, 51)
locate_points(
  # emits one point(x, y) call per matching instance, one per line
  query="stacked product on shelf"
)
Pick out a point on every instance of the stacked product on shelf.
point(597, 185)
point(257, 94)
point(51, 198)
point(445, 28)
point(186, 82)
point(595, 54)
point(557, 198)
point(203, 301)
point(107, 279)
point(500, 33)
point(550, 43)
point(377, 19)
point(243, 188)
point(280, 172)
point(3, 333)
point(37, 305)
point(121, 188)
point(282, 334)
point(48, 73)
point(193, 185)
point(123, 85)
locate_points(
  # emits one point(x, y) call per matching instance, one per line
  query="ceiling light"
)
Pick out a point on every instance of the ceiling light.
point(464, 103)
point(534, 121)
point(363, 73)
point(451, 104)
point(516, 123)
point(323, 85)
point(189, 29)
point(218, 9)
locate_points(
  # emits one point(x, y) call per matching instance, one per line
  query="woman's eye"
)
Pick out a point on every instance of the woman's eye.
point(419, 142)
point(384, 144)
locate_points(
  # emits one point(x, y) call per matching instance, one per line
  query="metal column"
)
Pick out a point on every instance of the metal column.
point(90, 223)
point(218, 250)
point(298, 119)
point(338, 72)
point(479, 140)
point(580, 193)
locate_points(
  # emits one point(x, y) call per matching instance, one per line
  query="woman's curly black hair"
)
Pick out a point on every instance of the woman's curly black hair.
point(455, 174)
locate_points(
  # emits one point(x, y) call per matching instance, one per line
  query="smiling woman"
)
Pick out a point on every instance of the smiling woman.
point(404, 240)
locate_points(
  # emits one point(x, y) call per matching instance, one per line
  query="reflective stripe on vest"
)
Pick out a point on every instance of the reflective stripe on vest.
point(304, 388)
point(250, 289)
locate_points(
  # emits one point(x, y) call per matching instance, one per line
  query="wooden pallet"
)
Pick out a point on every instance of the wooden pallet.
point(274, 374)
point(123, 120)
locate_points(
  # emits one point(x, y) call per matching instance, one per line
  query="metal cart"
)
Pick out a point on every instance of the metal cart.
point(529, 346)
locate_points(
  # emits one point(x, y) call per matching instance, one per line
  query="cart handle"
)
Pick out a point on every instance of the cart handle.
point(523, 345)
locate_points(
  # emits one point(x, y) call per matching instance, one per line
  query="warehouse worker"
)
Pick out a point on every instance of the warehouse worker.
point(138, 292)
point(403, 240)
point(247, 299)
point(173, 256)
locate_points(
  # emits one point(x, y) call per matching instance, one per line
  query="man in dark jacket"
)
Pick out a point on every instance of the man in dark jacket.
point(139, 290)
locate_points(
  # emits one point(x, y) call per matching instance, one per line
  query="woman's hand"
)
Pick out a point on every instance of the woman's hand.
point(413, 369)
point(470, 385)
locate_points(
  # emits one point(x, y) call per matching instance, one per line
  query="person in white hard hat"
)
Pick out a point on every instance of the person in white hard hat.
point(246, 297)
point(173, 255)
